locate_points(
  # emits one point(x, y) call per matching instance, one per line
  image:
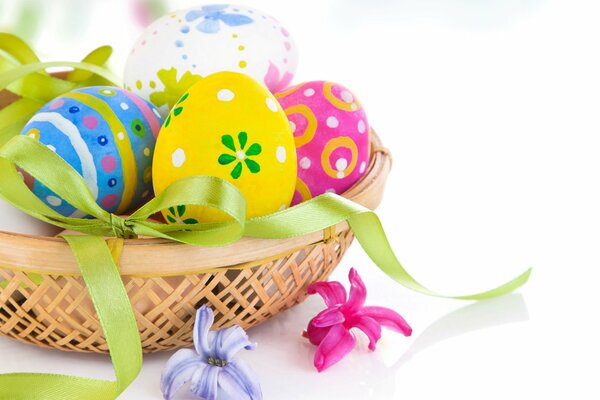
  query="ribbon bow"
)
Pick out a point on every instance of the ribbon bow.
point(98, 261)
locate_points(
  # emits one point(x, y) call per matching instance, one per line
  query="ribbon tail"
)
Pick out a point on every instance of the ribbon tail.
point(329, 209)
point(101, 276)
point(370, 234)
point(115, 314)
point(30, 386)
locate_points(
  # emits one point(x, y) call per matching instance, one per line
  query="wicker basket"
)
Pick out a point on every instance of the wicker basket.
point(44, 301)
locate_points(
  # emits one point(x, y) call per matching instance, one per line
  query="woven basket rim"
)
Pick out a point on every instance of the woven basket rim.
point(154, 257)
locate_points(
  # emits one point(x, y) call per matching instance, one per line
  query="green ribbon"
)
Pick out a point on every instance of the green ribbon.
point(99, 267)
point(22, 73)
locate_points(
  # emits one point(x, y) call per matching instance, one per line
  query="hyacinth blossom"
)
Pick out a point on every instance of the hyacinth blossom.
point(331, 329)
point(211, 366)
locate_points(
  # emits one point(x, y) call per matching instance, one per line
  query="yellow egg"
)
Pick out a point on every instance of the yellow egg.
point(229, 126)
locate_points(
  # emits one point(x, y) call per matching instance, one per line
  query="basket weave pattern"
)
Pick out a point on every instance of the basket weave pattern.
point(57, 312)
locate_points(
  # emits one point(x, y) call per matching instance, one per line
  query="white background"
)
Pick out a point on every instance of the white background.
point(491, 109)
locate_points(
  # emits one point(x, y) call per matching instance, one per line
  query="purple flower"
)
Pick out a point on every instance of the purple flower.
point(330, 330)
point(211, 365)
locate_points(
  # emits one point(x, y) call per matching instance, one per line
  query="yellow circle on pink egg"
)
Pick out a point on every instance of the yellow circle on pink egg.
point(229, 126)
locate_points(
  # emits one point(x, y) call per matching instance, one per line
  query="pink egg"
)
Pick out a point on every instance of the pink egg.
point(332, 137)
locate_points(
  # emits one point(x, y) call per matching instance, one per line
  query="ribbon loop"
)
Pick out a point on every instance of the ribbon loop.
point(122, 227)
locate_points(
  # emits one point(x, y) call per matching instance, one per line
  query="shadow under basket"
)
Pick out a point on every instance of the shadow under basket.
point(44, 301)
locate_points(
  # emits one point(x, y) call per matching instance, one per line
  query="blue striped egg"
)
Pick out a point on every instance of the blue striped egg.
point(107, 135)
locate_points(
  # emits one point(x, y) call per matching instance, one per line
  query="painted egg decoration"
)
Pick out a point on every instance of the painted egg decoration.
point(230, 126)
point(332, 137)
point(178, 49)
point(108, 136)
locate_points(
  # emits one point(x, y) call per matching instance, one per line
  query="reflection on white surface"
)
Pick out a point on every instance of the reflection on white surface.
point(473, 317)
point(366, 375)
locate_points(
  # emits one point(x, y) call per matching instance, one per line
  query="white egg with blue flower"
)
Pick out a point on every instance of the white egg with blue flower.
point(180, 48)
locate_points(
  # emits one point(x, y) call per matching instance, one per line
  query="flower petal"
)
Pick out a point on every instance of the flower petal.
point(225, 159)
point(212, 8)
point(194, 15)
point(240, 382)
point(236, 19)
point(243, 139)
point(208, 25)
point(227, 141)
point(370, 327)
point(231, 340)
point(335, 346)
point(388, 318)
point(333, 293)
point(178, 371)
point(254, 149)
point(204, 320)
point(252, 165)
point(204, 382)
point(328, 317)
point(358, 293)
point(316, 334)
point(237, 170)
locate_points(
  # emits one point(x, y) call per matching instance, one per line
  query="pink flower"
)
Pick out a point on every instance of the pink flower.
point(330, 330)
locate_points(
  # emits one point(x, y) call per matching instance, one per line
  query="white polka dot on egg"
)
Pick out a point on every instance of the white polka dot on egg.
point(305, 163)
point(341, 164)
point(178, 158)
point(271, 104)
point(293, 126)
point(225, 95)
point(347, 96)
point(124, 106)
point(54, 201)
point(361, 126)
point(332, 122)
point(309, 92)
point(363, 167)
point(281, 154)
point(121, 135)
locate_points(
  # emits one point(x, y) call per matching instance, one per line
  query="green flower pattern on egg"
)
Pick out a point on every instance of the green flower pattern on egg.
point(240, 155)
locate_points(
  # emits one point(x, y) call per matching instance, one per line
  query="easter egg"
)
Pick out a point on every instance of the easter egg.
point(230, 126)
point(178, 49)
point(107, 135)
point(331, 134)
